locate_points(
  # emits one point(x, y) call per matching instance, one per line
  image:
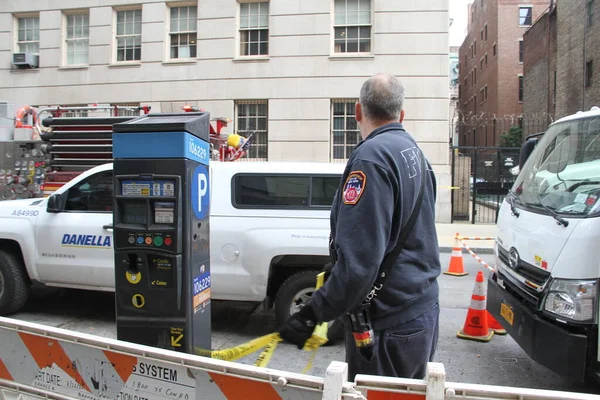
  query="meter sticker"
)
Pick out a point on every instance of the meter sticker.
point(200, 192)
point(164, 212)
point(135, 188)
point(581, 198)
point(201, 291)
point(160, 270)
point(579, 208)
point(148, 188)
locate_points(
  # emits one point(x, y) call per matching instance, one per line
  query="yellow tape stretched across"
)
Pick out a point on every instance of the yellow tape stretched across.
point(270, 342)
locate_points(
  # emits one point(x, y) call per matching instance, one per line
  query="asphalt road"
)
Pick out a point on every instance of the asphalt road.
point(499, 362)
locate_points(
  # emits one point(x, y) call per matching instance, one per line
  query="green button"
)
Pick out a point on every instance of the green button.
point(158, 240)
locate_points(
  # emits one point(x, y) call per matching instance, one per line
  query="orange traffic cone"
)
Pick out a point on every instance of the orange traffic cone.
point(456, 266)
point(495, 325)
point(476, 325)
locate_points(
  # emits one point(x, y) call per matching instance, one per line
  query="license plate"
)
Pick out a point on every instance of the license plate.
point(507, 313)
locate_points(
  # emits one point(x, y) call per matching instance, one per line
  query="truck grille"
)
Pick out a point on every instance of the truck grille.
point(529, 272)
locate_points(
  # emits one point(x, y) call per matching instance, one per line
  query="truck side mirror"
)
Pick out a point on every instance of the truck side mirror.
point(55, 203)
point(526, 150)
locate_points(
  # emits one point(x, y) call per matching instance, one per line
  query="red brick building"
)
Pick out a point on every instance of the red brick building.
point(491, 68)
point(561, 49)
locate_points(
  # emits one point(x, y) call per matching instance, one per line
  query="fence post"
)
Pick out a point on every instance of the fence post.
point(475, 160)
point(335, 378)
point(436, 381)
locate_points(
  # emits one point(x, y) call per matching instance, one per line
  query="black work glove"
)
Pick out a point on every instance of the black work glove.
point(299, 327)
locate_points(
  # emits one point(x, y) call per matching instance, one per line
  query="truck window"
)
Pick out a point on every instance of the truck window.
point(283, 191)
point(94, 194)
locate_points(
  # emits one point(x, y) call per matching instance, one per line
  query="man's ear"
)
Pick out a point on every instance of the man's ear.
point(358, 112)
point(401, 116)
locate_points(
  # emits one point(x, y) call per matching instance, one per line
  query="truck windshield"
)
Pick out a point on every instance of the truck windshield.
point(562, 175)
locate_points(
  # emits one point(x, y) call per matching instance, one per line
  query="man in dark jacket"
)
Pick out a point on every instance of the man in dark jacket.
point(378, 192)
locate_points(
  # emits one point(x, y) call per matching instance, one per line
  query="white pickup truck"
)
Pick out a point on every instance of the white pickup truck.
point(269, 233)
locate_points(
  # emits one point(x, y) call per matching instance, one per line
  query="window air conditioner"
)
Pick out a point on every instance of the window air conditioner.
point(22, 60)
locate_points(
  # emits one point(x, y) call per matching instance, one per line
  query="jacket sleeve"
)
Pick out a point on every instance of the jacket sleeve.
point(366, 207)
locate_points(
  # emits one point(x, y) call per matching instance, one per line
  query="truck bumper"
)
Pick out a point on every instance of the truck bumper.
point(550, 345)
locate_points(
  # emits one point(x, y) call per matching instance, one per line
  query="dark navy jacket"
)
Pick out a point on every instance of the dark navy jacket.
point(378, 191)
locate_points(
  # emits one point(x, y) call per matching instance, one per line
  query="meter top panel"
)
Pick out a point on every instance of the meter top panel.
point(195, 123)
point(164, 136)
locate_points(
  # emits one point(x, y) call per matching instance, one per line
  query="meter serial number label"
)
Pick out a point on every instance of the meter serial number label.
point(507, 313)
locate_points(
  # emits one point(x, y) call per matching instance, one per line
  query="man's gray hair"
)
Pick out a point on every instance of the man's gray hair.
point(382, 98)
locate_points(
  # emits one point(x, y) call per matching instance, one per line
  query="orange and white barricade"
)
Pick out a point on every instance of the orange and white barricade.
point(38, 362)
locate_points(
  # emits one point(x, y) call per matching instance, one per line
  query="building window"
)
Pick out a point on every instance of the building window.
point(129, 35)
point(520, 88)
point(590, 12)
point(183, 32)
point(344, 129)
point(494, 50)
point(254, 29)
point(486, 60)
point(485, 93)
point(521, 50)
point(481, 63)
point(459, 91)
point(485, 31)
point(352, 30)
point(251, 119)
point(588, 73)
point(28, 39)
point(525, 16)
point(77, 38)
point(481, 35)
point(475, 75)
point(475, 47)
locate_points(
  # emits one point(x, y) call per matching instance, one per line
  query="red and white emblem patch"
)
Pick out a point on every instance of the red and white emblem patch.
point(354, 187)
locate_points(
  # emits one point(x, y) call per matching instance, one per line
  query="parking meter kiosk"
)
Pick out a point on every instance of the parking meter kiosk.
point(161, 231)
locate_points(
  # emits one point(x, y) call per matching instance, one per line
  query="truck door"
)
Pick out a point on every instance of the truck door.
point(74, 246)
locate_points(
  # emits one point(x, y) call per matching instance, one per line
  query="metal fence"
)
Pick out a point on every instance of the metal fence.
point(481, 177)
point(487, 130)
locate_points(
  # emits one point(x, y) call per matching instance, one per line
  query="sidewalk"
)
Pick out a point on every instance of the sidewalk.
point(447, 232)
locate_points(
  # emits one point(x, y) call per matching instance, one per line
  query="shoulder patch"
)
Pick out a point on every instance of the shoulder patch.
point(354, 187)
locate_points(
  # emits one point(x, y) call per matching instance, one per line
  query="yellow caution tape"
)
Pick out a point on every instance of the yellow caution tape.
point(269, 342)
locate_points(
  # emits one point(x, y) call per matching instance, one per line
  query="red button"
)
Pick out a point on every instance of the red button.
point(168, 241)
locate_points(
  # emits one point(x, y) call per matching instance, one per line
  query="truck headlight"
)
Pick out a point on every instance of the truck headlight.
point(572, 299)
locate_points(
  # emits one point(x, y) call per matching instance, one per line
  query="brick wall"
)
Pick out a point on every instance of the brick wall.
point(501, 73)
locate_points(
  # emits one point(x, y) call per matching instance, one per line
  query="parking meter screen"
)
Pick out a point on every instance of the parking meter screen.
point(134, 212)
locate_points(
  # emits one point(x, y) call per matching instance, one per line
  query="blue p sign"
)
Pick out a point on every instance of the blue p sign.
point(201, 192)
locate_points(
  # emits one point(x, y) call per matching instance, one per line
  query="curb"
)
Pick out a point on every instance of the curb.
point(476, 250)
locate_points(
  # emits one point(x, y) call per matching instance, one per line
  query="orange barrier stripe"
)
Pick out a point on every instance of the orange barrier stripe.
point(477, 297)
point(4, 374)
point(237, 388)
point(46, 352)
point(374, 395)
point(122, 363)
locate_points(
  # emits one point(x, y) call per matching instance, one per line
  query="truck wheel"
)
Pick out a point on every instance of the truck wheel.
point(295, 292)
point(14, 289)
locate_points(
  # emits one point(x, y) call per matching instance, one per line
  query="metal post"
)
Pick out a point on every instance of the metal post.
point(475, 152)
point(452, 177)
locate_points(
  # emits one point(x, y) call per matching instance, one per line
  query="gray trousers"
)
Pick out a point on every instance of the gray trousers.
point(402, 351)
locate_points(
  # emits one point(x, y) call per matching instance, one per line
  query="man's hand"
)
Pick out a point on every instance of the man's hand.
point(299, 327)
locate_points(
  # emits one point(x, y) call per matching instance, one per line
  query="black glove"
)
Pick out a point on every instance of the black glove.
point(299, 327)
